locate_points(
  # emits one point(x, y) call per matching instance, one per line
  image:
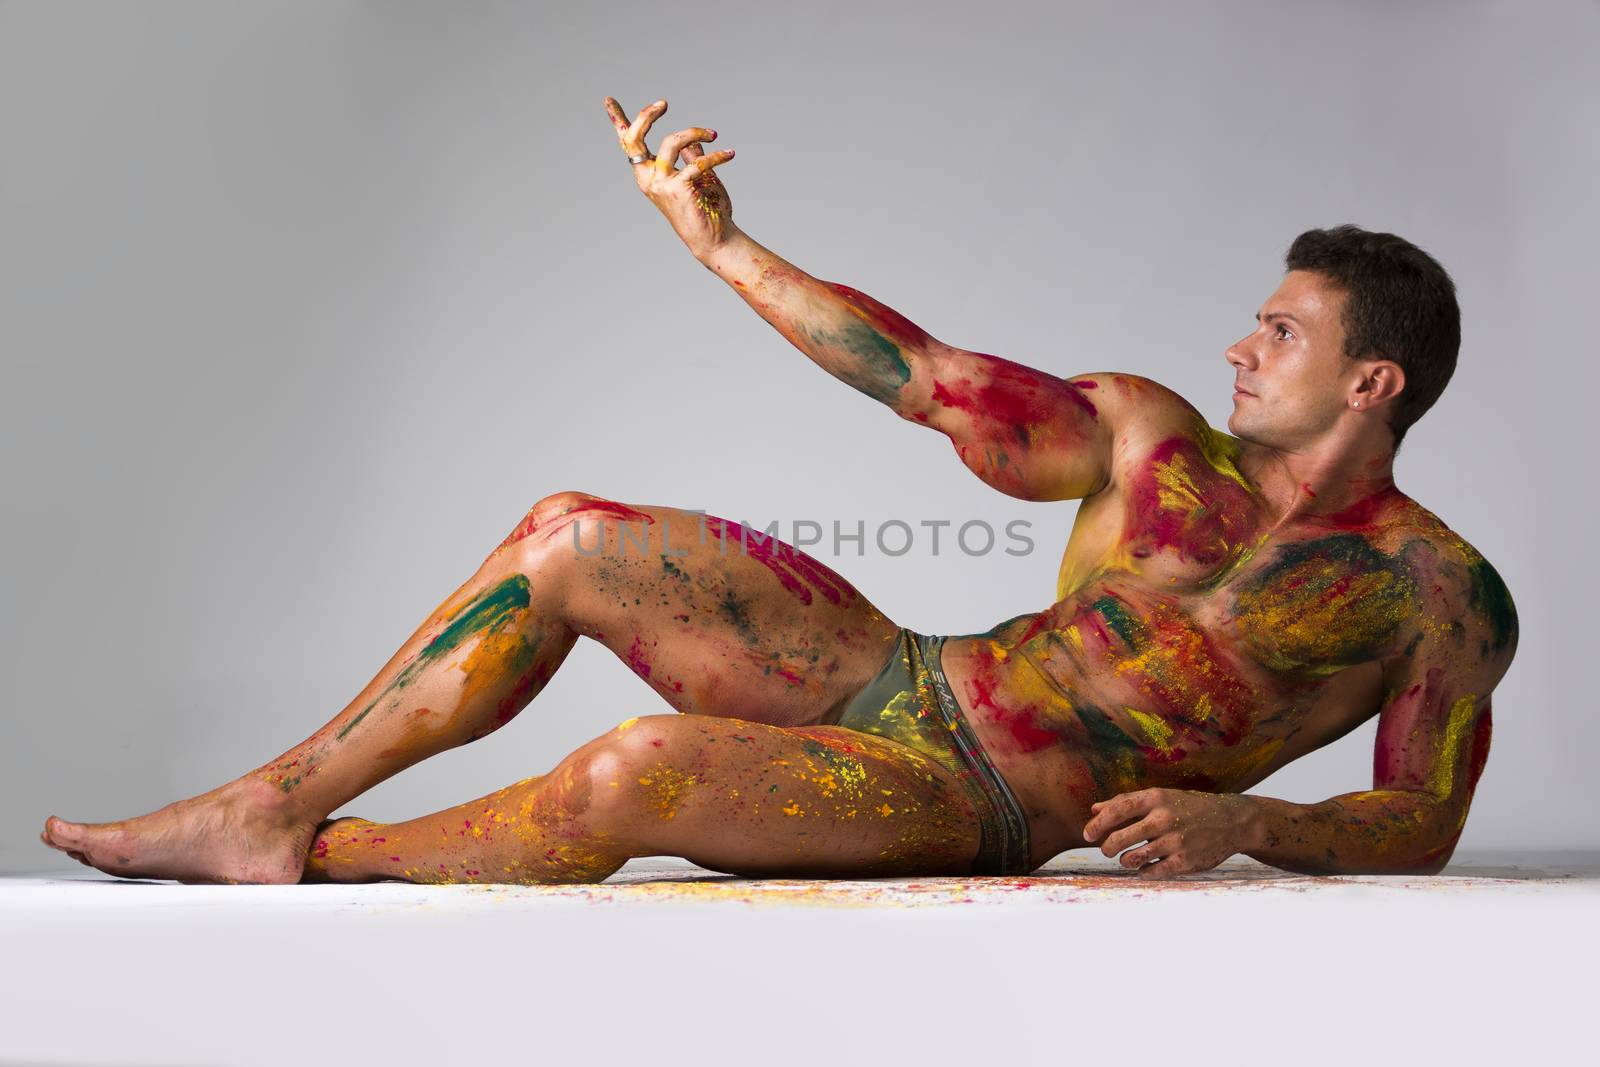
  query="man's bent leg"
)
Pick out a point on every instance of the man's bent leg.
point(728, 794)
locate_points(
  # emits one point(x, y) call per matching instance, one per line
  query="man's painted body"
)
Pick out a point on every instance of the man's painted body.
point(1226, 603)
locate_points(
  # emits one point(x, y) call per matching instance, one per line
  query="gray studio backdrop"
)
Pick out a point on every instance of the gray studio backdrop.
point(302, 306)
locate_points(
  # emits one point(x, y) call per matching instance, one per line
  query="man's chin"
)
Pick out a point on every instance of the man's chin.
point(1241, 429)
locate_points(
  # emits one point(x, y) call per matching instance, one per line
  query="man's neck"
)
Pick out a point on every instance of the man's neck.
point(1324, 477)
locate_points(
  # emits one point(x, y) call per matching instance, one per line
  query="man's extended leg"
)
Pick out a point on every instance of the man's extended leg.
point(718, 620)
point(729, 795)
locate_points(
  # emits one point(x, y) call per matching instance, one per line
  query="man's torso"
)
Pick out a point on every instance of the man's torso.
point(1198, 641)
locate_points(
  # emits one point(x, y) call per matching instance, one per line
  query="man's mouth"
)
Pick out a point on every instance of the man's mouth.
point(1241, 391)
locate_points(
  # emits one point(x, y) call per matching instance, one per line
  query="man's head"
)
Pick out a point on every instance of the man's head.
point(1365, 326)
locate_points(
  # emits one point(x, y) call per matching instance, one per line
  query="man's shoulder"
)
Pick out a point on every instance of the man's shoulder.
point(1146, 415)
point(1458, 586)
point(1134, 399)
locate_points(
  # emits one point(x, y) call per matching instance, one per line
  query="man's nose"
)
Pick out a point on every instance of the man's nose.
point(1240, 356)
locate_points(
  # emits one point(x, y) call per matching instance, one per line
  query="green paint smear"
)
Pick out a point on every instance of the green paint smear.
point(1491, 597)
point(1104, 734)
point(732, 609)
point(1343, 548)
point(490, 611)
point(1130, 629)
point(1105, 738)
point(880, 370)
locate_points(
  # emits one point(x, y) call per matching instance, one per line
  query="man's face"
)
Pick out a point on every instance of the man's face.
point(1290, 373)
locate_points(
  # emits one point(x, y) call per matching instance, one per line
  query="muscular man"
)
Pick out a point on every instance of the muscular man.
point(1227, 602)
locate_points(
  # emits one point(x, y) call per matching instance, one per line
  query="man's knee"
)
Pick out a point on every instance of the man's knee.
point(548, 511)
point(569, 526)
point(638, 774)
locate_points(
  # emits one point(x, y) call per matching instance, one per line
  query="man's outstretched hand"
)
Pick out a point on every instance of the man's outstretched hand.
point(692, 198)
point(1185, 831)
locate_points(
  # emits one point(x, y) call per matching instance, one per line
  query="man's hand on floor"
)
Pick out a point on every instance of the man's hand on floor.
point(1184, 830)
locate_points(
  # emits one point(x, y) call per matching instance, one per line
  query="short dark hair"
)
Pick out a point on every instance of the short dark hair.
point(1400, 305)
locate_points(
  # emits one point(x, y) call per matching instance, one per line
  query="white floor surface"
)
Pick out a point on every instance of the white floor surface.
point(666, 963)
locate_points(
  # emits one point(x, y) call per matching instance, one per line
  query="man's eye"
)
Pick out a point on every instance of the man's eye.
point(1282, 330)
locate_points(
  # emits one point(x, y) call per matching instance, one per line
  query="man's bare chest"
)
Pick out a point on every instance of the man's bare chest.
point(1187, 540)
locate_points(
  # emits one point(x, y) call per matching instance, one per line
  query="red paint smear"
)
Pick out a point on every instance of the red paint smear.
point(1011, 396)
point(1021, 723)
point(517, 699)
point(1086, 383)
point(1365, 512)
point(1394, 766)
point(635, 659)
point(537, 520)
point(795, 571)
point(1480, 749)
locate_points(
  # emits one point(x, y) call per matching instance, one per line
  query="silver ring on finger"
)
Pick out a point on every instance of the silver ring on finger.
point(642, 157)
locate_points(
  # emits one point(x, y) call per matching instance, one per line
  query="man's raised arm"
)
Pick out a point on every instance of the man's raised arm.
point(1025, 432)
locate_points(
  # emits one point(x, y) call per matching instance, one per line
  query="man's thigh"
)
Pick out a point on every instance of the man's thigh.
point(717, 618)
point(762, 801)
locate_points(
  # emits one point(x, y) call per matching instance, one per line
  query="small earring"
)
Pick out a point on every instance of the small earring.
point(1357, 404)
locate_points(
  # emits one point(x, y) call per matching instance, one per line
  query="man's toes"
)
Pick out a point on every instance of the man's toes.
point(59, 833)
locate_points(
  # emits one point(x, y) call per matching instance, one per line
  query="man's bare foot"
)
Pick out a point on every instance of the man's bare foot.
point(239, 832)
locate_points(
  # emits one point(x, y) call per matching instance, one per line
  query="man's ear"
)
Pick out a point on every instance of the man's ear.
point(1382, 380)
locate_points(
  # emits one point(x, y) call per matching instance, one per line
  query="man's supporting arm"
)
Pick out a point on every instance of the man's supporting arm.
point(1025, 432)
point(1397, 830)
point(1434, 724)
point(1430, 754)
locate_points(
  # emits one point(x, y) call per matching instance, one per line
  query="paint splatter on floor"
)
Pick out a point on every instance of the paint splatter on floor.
point(1060, 882)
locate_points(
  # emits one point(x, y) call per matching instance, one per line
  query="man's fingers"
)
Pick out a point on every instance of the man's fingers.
point(1117, 811)
point(1156, 849)
point(619, 118)
point(701, 164)
point(1168, 867)
point(1143, 830)
point(1172, 863)
point(645, 119)
point(674, 143)
point(632, 133)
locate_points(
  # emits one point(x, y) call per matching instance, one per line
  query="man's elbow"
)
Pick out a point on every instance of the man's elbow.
point(1435, 860)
